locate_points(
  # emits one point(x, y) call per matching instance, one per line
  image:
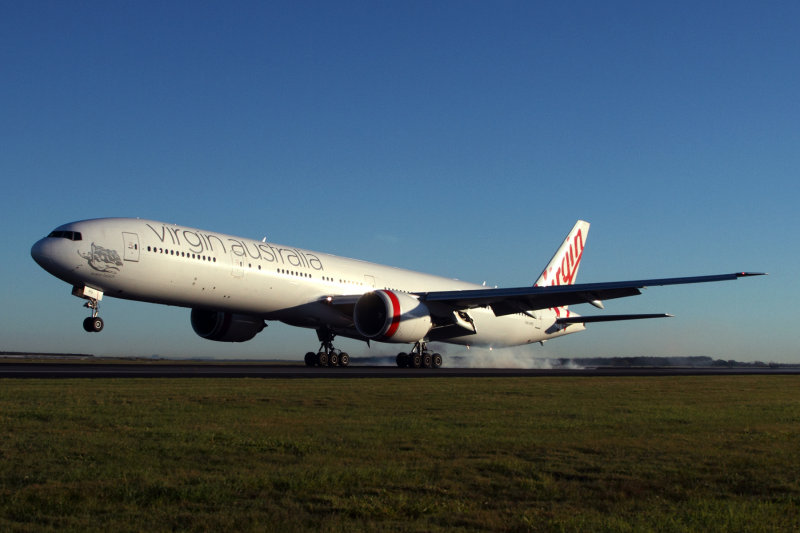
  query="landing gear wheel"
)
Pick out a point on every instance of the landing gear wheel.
point(419, 357)
point(327, 355)
point(402, 360)
point(93, 324)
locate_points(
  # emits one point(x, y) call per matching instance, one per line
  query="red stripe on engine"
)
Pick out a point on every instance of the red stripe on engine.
point(395, 315)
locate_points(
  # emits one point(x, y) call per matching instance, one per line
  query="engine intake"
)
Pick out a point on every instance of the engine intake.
point(390, 316)
point(224, 326)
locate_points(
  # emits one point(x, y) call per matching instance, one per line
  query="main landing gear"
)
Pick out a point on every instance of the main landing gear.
point(419, 357)
point(327, 354)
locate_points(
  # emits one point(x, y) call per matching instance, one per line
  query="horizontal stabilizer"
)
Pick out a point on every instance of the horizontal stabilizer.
point(607, 318)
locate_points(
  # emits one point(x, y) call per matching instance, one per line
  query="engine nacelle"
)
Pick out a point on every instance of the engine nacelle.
point(225, 326)
point(390, 316)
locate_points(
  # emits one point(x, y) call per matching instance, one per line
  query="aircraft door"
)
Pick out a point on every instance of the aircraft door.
point(238, 266)
point(131, 246)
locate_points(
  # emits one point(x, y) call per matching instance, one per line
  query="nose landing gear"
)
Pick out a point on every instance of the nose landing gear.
point(91, 324)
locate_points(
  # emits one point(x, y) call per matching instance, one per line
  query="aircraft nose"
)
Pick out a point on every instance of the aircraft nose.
point(47, 255)
point(56, 255)
point(39, 253)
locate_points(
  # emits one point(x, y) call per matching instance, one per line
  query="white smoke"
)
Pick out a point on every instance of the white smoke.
point(515, 357)
point(524, 357)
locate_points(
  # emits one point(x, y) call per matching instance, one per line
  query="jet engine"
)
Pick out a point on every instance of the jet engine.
point(225, 326)
point(390, 316)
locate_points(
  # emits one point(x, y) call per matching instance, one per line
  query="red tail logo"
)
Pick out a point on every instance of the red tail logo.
point(565, 275)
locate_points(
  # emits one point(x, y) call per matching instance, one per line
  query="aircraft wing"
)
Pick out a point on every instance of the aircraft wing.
point(520, 299)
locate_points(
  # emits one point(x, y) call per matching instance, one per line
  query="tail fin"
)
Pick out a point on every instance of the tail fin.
point(563, 267)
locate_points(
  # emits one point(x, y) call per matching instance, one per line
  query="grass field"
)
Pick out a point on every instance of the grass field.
point(563, 454)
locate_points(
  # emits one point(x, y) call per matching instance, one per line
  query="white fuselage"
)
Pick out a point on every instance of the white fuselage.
point(163, 263)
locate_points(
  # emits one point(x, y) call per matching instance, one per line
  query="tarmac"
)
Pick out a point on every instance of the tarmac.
point(120, 370)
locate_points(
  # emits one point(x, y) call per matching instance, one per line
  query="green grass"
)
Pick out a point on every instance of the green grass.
point(567, 454)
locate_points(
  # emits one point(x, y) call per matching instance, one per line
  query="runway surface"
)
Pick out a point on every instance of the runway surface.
point(61, 369)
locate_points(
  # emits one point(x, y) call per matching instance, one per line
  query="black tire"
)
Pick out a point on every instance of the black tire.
point(427, 360)
point(416, 360)
point(333, 359)
point(344, 359)
point(87, 324)
point(402, 360)
point(97, 324)
point(322, 359)
point(437, 360)
point(310, 357)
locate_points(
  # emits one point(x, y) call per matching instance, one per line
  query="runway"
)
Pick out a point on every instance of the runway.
point(79, 369)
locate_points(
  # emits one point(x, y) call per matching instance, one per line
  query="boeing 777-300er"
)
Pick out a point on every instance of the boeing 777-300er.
point(234, 285)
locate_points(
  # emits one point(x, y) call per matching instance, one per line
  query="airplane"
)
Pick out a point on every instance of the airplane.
point(234, 286)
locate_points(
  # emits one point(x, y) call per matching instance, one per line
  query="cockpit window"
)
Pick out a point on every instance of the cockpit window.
point(71, 235)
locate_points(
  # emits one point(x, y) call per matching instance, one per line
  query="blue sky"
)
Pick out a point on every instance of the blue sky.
point(458, 138)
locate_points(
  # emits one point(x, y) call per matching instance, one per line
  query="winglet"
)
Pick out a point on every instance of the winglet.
point(563, 267)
